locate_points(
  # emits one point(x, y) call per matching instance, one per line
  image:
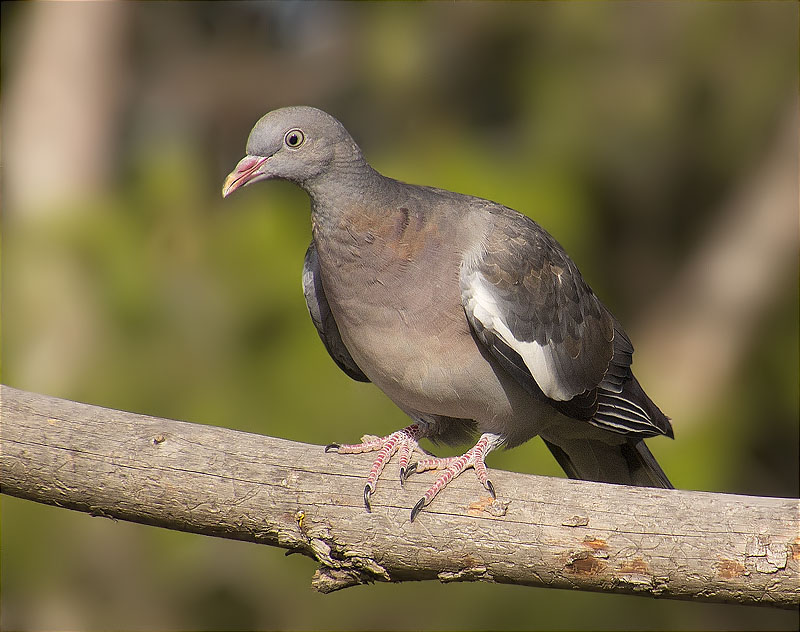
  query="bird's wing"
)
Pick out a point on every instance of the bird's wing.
point(528, 304)
point(323, 318)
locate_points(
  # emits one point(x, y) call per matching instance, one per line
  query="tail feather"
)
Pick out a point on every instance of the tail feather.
point(627, 463)
point(645, 470)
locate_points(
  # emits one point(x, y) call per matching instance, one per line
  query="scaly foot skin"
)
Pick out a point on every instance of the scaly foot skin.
point(455, 465)
point(403, 442)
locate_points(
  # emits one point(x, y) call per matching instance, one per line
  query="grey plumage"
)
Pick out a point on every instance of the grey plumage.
point(322, 318)
point(464, 312)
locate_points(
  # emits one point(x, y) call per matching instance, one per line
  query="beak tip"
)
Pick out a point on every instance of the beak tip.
point(243, 174)
point(232, 182)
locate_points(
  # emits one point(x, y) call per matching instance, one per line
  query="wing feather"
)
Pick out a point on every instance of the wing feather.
point(528, 304)
point(322, 317)
point(524, 291)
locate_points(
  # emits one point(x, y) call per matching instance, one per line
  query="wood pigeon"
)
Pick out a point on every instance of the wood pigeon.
point(466, 313)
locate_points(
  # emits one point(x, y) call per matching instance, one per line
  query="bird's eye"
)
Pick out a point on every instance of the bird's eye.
point(294, 138)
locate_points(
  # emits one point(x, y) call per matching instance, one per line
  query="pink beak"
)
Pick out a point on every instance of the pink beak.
point(243, 174)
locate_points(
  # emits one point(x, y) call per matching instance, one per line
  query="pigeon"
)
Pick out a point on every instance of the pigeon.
point(466, 313)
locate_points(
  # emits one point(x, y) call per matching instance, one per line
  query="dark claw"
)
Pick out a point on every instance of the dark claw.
point(405, 472)
point(331, 446)
point(367, 493)
point(490, 487)
point(417, 508)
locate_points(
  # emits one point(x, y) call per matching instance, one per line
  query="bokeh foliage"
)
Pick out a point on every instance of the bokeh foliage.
point(623, 128)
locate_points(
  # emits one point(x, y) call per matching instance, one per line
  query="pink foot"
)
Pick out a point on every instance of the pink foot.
point(453, 466)
point(403, 442)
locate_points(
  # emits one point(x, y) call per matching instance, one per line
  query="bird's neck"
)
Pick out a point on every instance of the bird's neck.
point(345, 190)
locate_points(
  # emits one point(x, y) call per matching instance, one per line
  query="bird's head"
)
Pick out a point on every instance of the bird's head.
point(296, 143)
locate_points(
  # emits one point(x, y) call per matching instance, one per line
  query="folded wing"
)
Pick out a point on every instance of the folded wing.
point(528, 304)
point(323, 320)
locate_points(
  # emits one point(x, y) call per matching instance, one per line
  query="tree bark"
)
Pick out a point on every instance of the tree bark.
point(540, 532)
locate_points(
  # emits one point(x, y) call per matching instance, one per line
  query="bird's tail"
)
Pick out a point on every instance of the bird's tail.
point(627, 463)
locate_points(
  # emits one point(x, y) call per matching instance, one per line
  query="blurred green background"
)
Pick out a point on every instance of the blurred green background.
point(656, 141)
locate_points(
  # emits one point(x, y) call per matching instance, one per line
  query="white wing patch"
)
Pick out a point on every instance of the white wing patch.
point(481, 305)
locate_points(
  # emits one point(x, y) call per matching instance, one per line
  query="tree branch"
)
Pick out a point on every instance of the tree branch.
point(540, 532)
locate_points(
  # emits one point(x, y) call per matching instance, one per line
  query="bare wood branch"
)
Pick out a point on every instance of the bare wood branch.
point(541, 532)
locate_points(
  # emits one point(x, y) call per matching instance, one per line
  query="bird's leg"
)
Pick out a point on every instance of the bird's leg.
point(404, 441)
point(454, 465)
